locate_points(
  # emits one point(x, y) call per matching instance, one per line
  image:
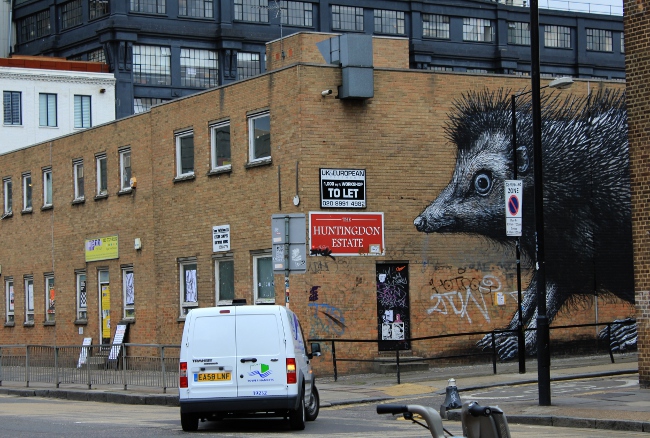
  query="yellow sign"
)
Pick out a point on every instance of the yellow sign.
point(106, 311)
point(102, 248)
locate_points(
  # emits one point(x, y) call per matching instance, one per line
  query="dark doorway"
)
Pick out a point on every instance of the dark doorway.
point(393, 315)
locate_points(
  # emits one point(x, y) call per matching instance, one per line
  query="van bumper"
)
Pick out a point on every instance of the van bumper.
point(239, 405)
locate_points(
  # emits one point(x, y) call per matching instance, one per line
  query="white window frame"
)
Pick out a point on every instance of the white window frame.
point(102, 176)
point(27, 191)
point(7, 189)
point(125, 169)
point(82, 111)
point(128, 293)
point(186, 284)
point(47, 116)
point(10, 301)
point(82, 305)
point(252, 138)
point(29, 299)
point(78, 175)
point(12, 101)
point(215, 153)
point(256, 279)
point(218, 263)
point(47, 187)
point(179, 147)
point(50, 298)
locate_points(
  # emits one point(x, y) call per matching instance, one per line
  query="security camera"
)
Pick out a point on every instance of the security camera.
point(326, 93)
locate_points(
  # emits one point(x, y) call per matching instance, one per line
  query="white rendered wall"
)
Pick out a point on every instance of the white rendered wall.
point(65, 84)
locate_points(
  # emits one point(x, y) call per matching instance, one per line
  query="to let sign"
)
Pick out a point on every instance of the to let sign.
point(346, 234)
point(343, 188)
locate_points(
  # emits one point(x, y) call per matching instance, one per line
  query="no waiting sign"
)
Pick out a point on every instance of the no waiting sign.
point(513, 196)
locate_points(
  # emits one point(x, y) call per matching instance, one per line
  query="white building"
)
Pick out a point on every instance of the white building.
point(52, 100)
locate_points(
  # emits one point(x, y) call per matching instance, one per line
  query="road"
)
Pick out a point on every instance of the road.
point(35, 417)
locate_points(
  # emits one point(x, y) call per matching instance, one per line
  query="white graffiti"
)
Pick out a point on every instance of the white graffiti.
point(461, 301)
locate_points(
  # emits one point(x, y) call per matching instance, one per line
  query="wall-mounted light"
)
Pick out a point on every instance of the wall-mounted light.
point(325, 93)
point(102, 90)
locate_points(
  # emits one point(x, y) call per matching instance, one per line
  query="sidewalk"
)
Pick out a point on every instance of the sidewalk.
point(615, 401)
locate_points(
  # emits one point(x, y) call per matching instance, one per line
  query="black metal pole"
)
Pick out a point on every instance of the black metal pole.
point(543, 337)
point(521, 344)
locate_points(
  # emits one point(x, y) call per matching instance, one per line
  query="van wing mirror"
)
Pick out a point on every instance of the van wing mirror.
point(315, 349)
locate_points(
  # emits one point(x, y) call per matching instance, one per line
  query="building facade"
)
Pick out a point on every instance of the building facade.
point(46, 97)
point(158, 213)
point(164, 50)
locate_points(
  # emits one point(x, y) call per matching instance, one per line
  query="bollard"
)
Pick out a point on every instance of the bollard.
point(452, 399)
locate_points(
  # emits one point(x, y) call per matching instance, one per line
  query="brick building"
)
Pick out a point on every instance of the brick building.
point(170, 209)
point(638, 74)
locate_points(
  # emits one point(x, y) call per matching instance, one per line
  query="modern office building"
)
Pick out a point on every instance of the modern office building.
point(161, 50)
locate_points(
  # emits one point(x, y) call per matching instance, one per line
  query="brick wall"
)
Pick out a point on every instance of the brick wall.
point(637, 65)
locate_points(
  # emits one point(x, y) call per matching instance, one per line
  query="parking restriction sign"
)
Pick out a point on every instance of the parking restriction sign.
point(513, 190)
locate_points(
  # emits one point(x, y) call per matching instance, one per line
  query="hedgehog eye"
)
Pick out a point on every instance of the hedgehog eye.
point(483, 183)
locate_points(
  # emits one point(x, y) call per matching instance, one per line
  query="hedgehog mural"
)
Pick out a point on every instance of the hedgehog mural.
point(587, 210)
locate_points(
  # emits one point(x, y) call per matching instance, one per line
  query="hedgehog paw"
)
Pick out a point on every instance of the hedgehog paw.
point(505, 344)
point(622, 335)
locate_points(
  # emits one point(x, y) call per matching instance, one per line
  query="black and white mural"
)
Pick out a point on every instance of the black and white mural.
point(587, 210)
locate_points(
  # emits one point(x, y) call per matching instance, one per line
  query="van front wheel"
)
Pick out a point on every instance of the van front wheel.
point(297, 417)
point(189, 422)
point(314, 405)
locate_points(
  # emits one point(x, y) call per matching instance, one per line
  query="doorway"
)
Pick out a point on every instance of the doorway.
point(393, 313)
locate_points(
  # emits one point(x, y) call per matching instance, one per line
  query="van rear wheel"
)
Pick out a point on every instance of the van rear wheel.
point(297, 417)
point(189, 422)
point(311, 411)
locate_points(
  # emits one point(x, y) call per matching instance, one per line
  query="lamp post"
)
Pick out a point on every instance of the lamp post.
point(560, 83)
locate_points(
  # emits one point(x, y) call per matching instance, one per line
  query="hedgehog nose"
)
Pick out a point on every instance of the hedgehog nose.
point(419, 223)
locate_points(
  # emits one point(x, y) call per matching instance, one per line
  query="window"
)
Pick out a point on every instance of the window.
point(297, 13)
point(389, 22)
point(151, 65)
point(252, 10)
point(47, 187)
point(27, 192)
point(148, 6)
point(8, 199)
point(71, 14)
point(440, 68)
point(435, 26)
point(47, 109)
point(189, 292)
point(519, 33)
point(97, 56)
point(263, 279)
point(129, 292)
point(478, 29)
point(185, 154)
point(98, 8)
point(82, 112)
point(599, 40)
point(34, 26)
point(248, 65)
point(143, 104)
point(125, 169)
point(9, 300)
point(199, 68)
point(104, 289)
point(78, 170)
point(224, 279)
point(29, 299)
point(82, 297)
point(557, 36)
point(347, 18)
point(12, 107)
point(259, 136)
point(102, 175)
point(220, 138)
point(195, 8)
point(49, 298)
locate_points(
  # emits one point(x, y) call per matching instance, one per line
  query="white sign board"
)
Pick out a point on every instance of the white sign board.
point(221, 238)
point(342, 188)
point(117, 341)
point(83, 354)
point(513, 190)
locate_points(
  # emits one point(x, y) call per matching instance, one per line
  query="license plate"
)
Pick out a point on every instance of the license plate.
point(212, 377)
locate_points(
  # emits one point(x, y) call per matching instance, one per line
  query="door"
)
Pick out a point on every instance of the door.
point(393, 314)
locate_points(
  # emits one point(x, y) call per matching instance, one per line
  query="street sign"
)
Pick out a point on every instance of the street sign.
point(513, 190)
point(297, 244)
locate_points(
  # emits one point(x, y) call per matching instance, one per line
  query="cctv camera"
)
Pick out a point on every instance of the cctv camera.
point(326, 93)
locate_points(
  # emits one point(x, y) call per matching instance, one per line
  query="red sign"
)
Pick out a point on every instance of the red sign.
point(346, 234)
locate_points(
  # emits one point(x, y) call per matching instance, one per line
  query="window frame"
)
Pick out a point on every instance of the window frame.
point(27, 192)
point(256, 278)
point(7, 196)
point(557, 37)
point(185, 305)
point(354, 12)
point(196, 8)
point(599, 40)
point(82, 107)
point(98, 9)
point(128, 309)
point(474, 30)
point(151, 65)
point(248, 11)
point(519, 33)
point(9, 107)
point(50, 298)
point(383, 19)
point(79, 188)
point(10, 301)
point(296, 13)
point(71, 14)
point(252, 139)
point(439, 28)
point(205, 65)
point(215, 150)
point(34, 26)
point(101, 186)
point(125, 169)
point(81, 286)
point(217, 279)
point(248, 65)
point(48, 188)
point(49, 112)
point(178, 138)
point(28, 281)
point(147, 6)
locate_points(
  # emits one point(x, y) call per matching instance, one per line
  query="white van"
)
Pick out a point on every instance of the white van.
point(240, 361)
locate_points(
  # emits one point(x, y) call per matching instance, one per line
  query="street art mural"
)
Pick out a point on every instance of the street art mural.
point(587, 210)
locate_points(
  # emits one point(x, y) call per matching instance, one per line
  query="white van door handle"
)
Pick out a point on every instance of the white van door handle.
point(248, 359)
